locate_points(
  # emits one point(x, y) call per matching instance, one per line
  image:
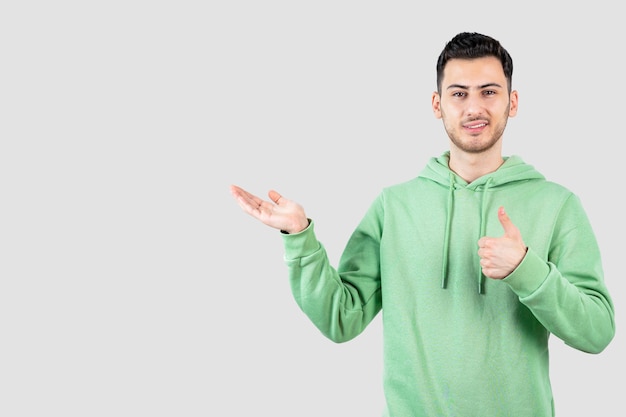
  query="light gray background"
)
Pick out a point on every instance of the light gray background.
point(131, 284)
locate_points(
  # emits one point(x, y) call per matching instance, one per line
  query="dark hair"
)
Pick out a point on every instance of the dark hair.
point(470, 45)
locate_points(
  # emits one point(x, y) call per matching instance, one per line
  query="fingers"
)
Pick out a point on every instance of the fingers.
point(239, 192)
point(248, 202)
point(234, 190)
point(251, 203)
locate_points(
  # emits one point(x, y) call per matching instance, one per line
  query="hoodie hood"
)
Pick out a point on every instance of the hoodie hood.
point(437, 169)
point(513, 169)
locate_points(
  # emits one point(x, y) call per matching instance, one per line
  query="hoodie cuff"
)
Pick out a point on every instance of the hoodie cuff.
point(301, 244)
point(529, 275)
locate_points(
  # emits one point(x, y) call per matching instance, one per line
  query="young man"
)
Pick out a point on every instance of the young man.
point(476, 262)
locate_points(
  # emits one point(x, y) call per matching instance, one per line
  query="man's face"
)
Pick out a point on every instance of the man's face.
point(474, 103)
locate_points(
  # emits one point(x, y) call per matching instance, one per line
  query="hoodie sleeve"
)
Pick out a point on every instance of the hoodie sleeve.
point(567, 293)
point(340, 302)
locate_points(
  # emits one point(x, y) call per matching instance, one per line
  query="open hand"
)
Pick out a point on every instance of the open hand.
point(279, 213)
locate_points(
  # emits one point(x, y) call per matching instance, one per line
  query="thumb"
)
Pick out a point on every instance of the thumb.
point(274, 196)
point(509, 228)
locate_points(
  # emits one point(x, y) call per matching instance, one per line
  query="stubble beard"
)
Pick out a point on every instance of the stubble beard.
point(476, 144)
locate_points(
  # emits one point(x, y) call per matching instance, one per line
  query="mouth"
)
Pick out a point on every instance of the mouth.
point(475, 125)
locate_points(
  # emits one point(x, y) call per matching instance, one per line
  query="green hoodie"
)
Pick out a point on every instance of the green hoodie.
point(455, 342)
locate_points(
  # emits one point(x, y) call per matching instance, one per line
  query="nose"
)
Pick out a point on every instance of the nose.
point(473, 105)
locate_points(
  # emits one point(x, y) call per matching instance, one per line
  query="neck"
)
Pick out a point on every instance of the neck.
point(472, 166)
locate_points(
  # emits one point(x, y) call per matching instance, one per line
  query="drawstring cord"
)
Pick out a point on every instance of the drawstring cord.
point(483, 229)
point(446, 237)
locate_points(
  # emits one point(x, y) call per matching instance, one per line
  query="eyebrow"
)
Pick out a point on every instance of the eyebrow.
point(480, 87)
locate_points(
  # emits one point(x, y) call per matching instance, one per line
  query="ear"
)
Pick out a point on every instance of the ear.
point(513, 100)
point(436, 103)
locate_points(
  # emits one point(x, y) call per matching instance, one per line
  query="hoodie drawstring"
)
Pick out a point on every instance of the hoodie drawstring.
point(483, 229)
point(446, 236)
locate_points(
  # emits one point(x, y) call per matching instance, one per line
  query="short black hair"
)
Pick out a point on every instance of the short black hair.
point(470, 45)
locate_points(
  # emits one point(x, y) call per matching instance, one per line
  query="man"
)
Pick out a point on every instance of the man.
point(474, 263)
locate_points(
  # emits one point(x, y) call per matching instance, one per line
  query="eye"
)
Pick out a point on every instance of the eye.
point(489, 92)
point(459, 94)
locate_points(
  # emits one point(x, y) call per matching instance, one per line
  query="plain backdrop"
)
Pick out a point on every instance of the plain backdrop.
point(131, 283)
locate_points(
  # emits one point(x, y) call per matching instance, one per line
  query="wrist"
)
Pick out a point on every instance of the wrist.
point(297, 228)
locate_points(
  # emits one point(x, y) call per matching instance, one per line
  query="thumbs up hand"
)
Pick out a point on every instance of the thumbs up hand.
point(499, 256)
